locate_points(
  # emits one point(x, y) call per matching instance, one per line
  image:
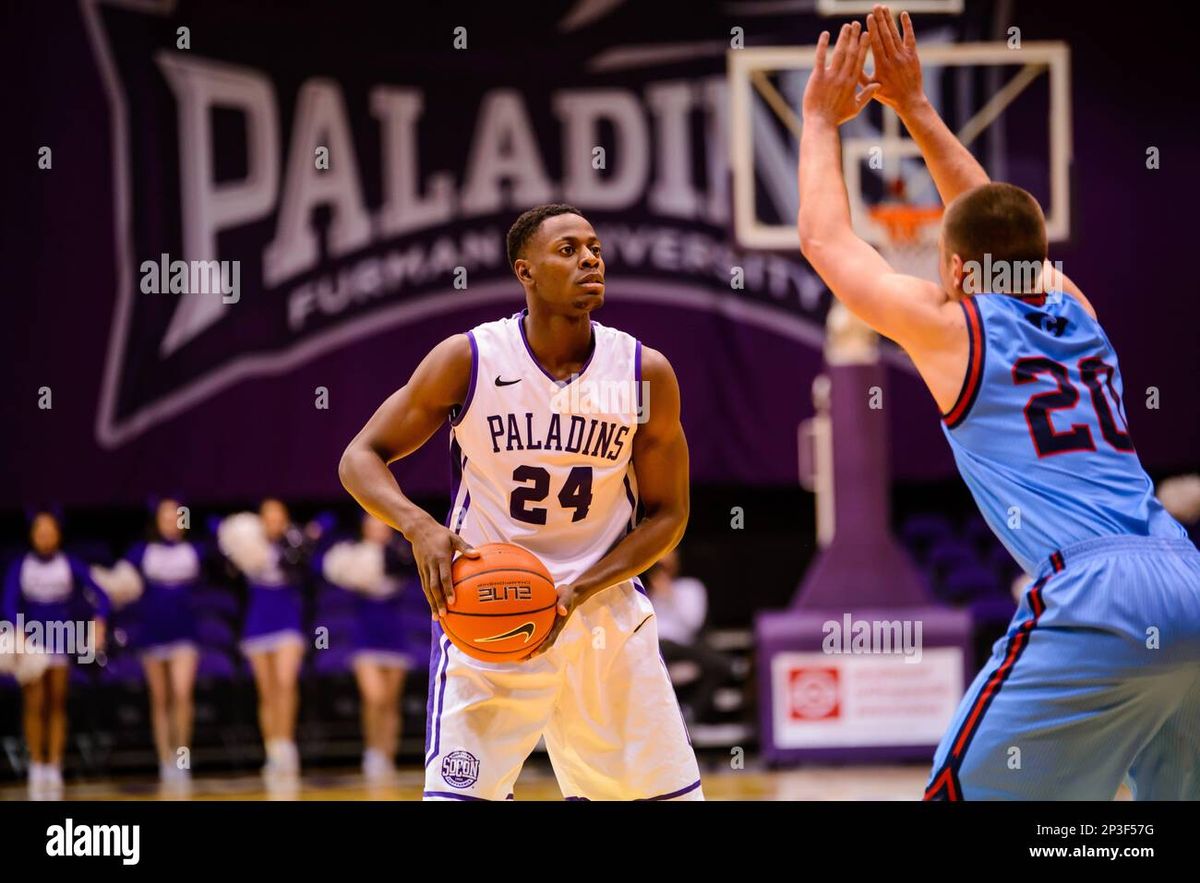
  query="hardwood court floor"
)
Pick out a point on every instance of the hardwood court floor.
point(894, 782)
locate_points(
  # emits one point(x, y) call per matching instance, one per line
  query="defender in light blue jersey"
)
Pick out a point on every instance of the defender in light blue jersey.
point(1039, 433)
point(1098, 677)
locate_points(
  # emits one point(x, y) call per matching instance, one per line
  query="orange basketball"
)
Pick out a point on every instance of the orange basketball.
point(503, 606)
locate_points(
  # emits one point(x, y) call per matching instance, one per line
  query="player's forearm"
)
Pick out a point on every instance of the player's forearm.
point(655, 536)
point(953, 168)
point(824, 206)
point(366, 477)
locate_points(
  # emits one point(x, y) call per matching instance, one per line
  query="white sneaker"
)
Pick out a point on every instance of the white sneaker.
point(52, 780)
point(283, 761)
point(172, 778)
point(37, 781)
point(289, 759)
point(376, 766)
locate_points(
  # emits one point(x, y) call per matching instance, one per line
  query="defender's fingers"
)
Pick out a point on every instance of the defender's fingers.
point(855, 52)
point(883, 27)
point(860, 61)
point(893, 32)
point(877, 46)
point(910, 36)
point(839, 49)
point(822, 44)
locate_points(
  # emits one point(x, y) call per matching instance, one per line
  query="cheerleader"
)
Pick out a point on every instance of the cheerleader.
point(170, 569)
point(271, 552)
point(43, 585)
point(379, 569)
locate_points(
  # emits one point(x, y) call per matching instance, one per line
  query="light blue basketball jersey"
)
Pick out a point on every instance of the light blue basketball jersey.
point(1039, 431)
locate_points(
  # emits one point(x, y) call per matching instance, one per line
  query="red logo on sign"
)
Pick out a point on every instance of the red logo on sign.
point(813, 693)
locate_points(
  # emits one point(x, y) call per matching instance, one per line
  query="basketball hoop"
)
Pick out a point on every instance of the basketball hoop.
point(910, 237)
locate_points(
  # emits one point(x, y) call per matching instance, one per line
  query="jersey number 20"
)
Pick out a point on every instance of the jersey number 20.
point(1046, 438)
point(576, 493)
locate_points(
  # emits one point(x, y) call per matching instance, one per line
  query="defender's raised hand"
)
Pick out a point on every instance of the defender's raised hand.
point(897, 67)
point(832, 93)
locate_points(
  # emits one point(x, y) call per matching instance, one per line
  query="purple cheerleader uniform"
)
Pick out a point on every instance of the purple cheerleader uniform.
point(49, 591)
point(379, 629)
point(275, 614)
point(166, 622)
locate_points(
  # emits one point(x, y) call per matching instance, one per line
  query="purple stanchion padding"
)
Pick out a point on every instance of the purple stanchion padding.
point(864, 572)
point(864, 566)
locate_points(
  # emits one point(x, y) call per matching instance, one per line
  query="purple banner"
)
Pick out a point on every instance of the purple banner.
point(255, 224)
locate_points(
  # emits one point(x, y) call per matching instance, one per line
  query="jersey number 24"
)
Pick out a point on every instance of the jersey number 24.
point(575, 493)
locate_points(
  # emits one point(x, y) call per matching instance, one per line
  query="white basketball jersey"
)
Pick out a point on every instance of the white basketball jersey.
point(543, 463)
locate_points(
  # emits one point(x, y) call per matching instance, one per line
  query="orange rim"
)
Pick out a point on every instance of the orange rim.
point(903, 222)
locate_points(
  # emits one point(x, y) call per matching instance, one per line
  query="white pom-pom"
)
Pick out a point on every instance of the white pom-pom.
point(243, 540)
point(122, 584)
point(22, 660)
point(357, 566)
point(31, 665)
point(1181, 497)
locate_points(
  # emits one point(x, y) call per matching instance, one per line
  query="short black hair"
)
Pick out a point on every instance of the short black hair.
point(526, 225)
point(997, 219)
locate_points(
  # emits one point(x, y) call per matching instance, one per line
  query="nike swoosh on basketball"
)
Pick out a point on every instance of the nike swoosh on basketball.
point(527, 629)
point(500, 382)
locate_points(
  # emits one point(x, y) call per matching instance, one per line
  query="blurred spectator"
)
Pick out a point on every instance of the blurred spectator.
point(680, 607)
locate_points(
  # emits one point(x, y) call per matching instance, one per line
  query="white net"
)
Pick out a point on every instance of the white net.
point(911, 241)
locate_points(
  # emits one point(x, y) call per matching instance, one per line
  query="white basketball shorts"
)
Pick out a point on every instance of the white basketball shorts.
point(600, 695)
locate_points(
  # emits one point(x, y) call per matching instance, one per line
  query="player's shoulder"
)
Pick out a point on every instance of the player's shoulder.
point(655, 367)
point(455, 349)
point(495, 331)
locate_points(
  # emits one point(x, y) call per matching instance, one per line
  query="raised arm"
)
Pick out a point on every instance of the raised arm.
point(898, 74)
point(403, 423)
point(660, 462)
point(952, 166)
point(904, 308)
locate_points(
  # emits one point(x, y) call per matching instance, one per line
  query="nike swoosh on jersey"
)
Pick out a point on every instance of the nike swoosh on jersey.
point(527, 629)
point(500, 382)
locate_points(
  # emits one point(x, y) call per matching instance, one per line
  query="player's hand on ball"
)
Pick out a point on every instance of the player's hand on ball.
point(897, 66)
point(568, 600)
point(832, 92)
point(433, 549)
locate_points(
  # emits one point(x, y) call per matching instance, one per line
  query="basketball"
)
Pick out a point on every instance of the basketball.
point(503, 606)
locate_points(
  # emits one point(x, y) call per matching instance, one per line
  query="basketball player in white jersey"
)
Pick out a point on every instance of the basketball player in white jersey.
point(557, 445)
